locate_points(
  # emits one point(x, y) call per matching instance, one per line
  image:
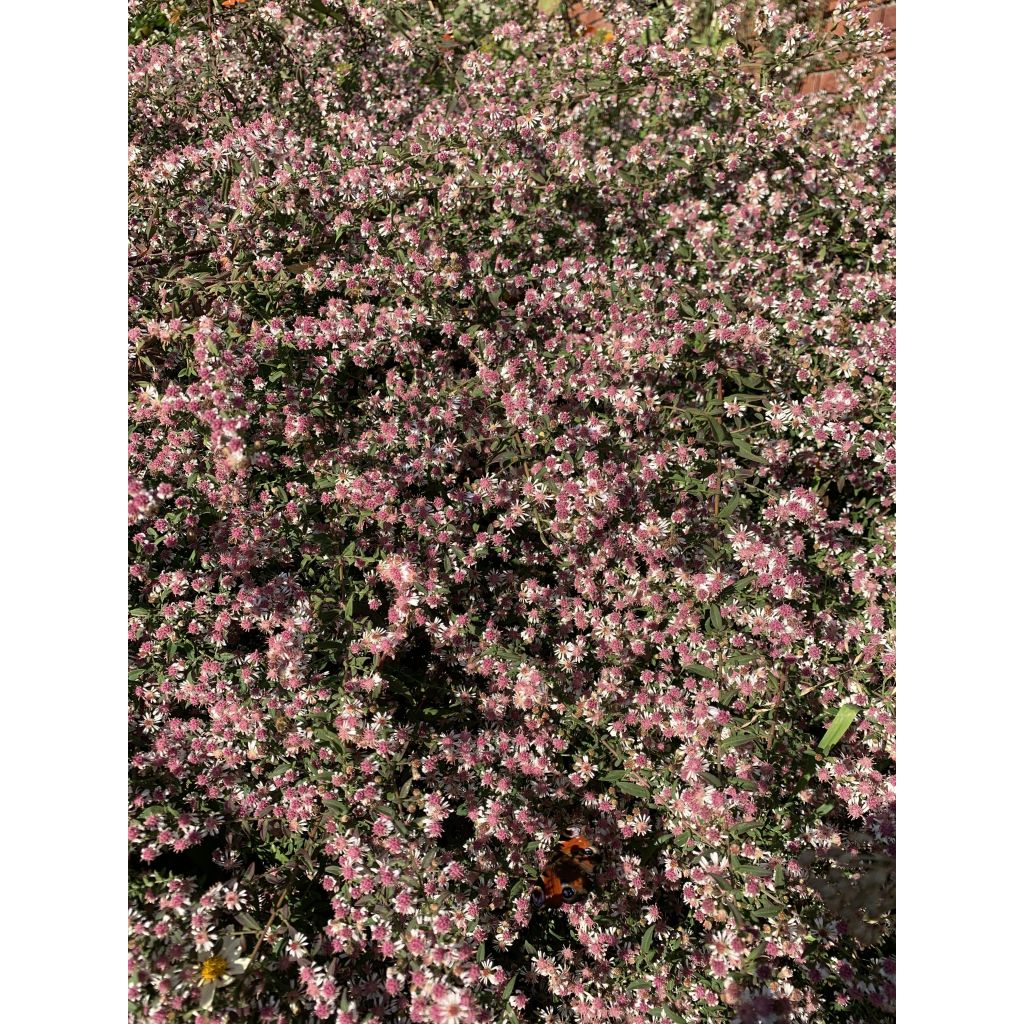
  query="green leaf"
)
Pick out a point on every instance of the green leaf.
point(645, 942)
point(843, 720)
point(508, 988)
point(745, 451)
point(739, 738)
point(731, 505)
point(699, 670)
point(763, 913)
point(632, 789)
point(331, 738)
point(672, 1015)
point(746, 826)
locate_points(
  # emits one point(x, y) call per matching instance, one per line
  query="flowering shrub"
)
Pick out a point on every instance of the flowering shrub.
point(511, 452)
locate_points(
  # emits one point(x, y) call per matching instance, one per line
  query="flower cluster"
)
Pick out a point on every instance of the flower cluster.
point(511, 451)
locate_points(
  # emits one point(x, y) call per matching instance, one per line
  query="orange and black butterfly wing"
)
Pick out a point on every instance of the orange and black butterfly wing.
point(548, 891)
point(572, 877)
point(580, 850)
point(565, 878)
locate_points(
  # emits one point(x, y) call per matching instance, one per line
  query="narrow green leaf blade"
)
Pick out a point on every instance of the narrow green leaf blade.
point(693, 669)
point(632, 789)
point(843, 720)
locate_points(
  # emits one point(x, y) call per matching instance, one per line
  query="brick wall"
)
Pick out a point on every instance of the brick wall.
point(881, 13)
point(591, 21)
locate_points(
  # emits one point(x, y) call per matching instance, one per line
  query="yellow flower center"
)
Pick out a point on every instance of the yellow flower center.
point(213, 969)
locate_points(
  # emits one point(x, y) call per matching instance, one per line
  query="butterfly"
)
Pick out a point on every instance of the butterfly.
point(566, 877)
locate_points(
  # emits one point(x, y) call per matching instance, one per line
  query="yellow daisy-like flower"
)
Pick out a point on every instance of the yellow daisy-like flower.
point(221, 969)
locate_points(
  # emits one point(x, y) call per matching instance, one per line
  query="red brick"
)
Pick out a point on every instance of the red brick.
point(889, 17)
point(588, 19)
point(828, 82)
point(810, 83)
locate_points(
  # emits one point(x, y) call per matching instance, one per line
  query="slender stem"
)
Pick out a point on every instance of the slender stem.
point(284, 893)
point(718, 474)
point(273, 914)
point(775, 705)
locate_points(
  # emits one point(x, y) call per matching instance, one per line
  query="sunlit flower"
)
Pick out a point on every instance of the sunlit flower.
point(221, 969)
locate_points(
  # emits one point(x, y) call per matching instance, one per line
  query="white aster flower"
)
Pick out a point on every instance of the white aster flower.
point(221, 969)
